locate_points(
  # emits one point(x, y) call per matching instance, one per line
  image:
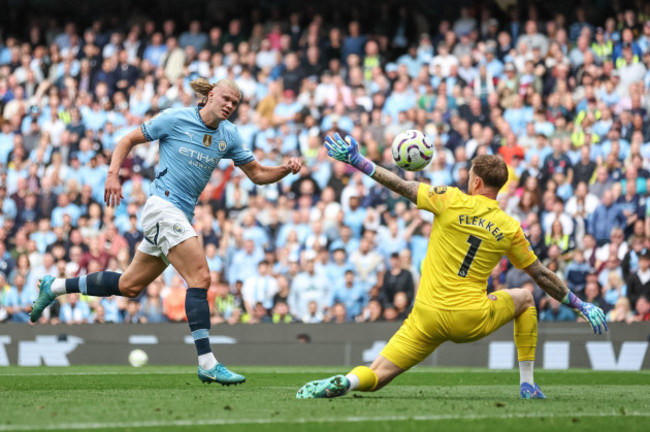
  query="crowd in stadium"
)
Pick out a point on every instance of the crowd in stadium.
point(562, 99)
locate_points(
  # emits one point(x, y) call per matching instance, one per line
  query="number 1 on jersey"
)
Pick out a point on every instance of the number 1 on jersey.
point(474, 244)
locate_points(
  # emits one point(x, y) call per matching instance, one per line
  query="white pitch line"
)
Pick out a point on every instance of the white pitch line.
point(62, 372)
point(221, 422)
point(93, 373)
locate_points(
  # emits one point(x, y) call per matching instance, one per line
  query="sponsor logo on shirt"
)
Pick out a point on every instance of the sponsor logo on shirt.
point(199, 159)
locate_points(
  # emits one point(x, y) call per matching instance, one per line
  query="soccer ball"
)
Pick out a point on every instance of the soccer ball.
point(138, 358)
point(411, 151)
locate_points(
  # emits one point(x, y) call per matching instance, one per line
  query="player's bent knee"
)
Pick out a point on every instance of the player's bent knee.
point(200, 280)
point(130, 290)
point(529, 299)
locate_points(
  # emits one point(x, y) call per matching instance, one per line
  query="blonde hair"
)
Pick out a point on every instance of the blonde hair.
point(202, 87)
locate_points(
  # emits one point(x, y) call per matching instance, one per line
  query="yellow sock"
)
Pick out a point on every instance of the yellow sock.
point(526, 334)
point(367, 378)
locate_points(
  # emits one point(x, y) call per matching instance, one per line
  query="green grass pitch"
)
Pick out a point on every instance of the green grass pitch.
point(172, 399)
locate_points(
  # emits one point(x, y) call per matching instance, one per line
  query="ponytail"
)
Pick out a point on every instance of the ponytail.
point(201, 87)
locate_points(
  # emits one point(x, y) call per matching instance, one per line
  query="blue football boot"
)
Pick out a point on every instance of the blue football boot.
point(221, 375)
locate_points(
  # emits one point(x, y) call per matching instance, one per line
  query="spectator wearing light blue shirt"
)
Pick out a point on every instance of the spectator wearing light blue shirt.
point(44, 236)
point(352, 294)
point(215, 263)
point(296, 224)
point(419, 244)
point(5, 53)
point(65, 207)
point(94, 117)
point(425, 50)
point(518, 115)
point(156, 50)
point(390, 239)
point(135, 182)
point(336, 268)
point(401, 99)
point(620, 146)
point(85, 152)
point(345, 241)
point(605, 218)
point(608, 94)
point(260, 287)
point(286, 110)
point(194, 37)
point(6, 142)
point(9, 208)
point(252, 231)
point(111, 309)
point(264, 138)
point(412, 61)
point(355, 216)
point(493, 65)
point(244, 262)
point(74, 311)
point(337, 120)
point(16, 298)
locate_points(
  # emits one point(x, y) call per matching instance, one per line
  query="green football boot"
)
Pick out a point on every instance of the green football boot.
point(45, 298)
point(331, 387)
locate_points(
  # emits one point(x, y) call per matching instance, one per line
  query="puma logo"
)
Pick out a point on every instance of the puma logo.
point(189, 135)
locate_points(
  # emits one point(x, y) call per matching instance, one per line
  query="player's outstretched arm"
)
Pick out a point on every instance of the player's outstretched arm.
point(112, 186)
point(553, 285)
point(348, 151)
point(262, 175)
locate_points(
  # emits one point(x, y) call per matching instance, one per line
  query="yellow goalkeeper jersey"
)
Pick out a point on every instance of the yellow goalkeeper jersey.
point(470, 234)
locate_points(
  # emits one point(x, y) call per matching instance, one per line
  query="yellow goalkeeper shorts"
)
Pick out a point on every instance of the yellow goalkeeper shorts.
point(426, 328)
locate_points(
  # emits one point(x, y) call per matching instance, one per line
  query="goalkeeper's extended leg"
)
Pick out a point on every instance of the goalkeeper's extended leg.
point(361, 378)
point(525, 335)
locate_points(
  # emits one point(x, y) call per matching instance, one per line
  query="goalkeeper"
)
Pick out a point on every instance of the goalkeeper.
point(470, 234)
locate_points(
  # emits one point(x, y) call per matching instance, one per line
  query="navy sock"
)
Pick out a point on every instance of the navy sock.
point(198, 317)
point(100, 284)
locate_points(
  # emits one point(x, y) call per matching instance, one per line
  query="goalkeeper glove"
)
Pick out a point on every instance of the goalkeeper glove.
point(591, 313)
point(348, 151)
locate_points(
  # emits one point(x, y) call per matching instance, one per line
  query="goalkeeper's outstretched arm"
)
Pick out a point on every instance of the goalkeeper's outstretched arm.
point(348, 151)
point(547, 280)
point(408, 189)
point(553, 285)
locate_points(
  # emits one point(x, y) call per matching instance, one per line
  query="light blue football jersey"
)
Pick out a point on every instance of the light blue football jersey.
point(189, 152)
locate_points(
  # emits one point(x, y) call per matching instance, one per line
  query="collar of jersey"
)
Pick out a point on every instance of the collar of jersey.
point(198, 114)
point(487, 199)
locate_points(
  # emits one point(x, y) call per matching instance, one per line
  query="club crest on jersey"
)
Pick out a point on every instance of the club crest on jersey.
point(222, 145)
point(178, 228)
point(207, 140)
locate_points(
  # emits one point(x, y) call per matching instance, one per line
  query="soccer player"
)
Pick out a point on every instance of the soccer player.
point(470, 234)
point(191, 143)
